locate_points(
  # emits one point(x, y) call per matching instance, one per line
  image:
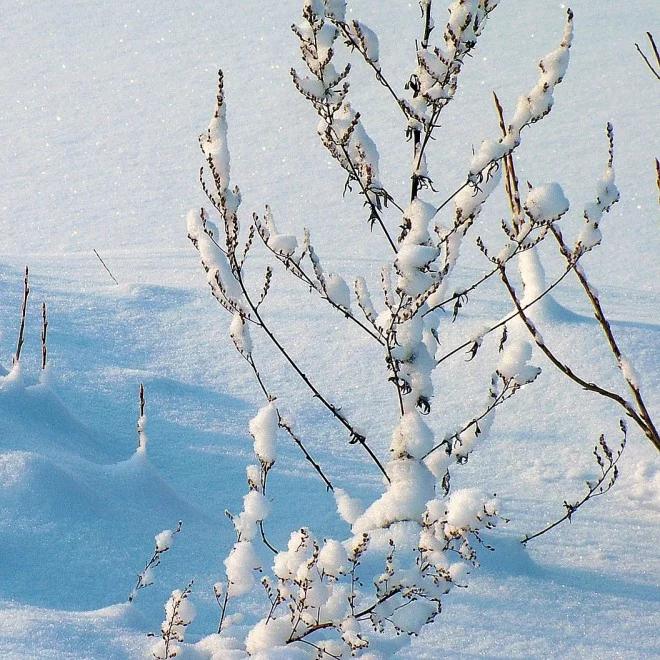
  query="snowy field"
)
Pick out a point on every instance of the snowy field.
point(102, 106)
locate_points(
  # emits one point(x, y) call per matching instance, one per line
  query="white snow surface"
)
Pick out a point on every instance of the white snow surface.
point(103, 103)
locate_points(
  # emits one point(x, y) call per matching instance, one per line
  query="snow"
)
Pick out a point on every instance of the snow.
point(240, 334)
point(240, 566)
point(111, 98)
point(337, 290)
point(348, 507)
point(412, 436)
point(546, 202)
point(366, 37)
point(284, 244)
point(465, 506)
point(333, 559)
point(263, 428)
point(411, 488)
point(629, 372)
point(164, 540)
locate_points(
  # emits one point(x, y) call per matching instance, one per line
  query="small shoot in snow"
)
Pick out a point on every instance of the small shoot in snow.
point(44, 336)
point(141, 424)
point(162, 543)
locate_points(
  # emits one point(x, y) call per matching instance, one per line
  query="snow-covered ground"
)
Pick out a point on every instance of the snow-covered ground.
point(102, 105)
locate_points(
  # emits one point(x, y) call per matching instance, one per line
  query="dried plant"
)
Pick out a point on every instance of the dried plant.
point(411, 545)
point(105, 266)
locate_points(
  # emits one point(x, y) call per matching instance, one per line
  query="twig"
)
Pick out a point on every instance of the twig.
point(510, 180)
point(44, 335)
point(284, 425)
point(501, 398)
point(648, 427)
point(417, 135)
point(265, 470)
point(222, 605)
point(511, 316)
point(356, 438)
point(171, 632)
point(296, 269)
point(564, 368)
point(343, 28)
point(655, 52)
point(608, 468)
point(21, 328)
point(104, 266)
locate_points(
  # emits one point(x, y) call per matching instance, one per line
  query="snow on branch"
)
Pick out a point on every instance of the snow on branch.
point(179, 614)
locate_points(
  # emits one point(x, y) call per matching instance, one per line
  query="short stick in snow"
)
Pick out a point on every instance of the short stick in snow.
point(21, 327)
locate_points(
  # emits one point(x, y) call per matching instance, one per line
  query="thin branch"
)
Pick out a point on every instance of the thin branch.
point(296, 269)
point(391, 334)
point(326, 112)
point(512, 316)
point(142, 444)
point(417, 151)
point(98, 256)
point(501, 398)
point(222, 605)
point(267, 543)
point(655, 72)
point(591, 387)
point(648, 428)
point(609, 472)
point(357, 615)
point(374, 210)
point(355, 436)
point(285, 426)
point(141, 581)
point(343, 28)
point(510, 181)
